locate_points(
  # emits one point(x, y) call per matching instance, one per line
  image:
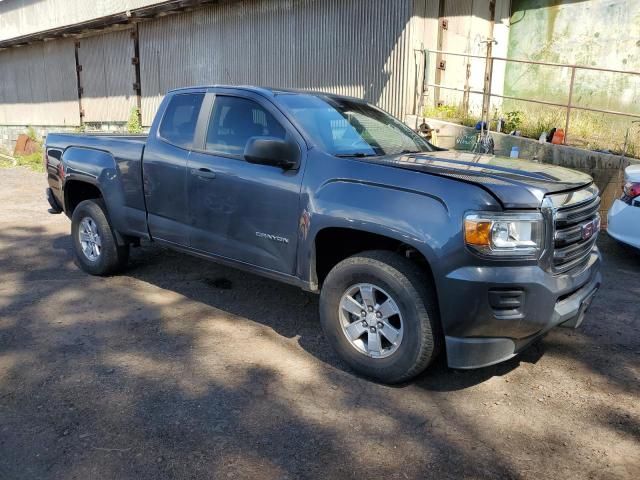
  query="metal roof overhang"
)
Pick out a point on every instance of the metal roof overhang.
point(101, 23)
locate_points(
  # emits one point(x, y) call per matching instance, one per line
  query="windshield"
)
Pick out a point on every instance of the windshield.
point(352, 128)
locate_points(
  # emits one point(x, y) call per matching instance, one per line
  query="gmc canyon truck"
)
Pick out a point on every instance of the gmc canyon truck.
point(413, 249)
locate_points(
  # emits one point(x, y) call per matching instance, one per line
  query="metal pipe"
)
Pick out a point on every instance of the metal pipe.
point(566, 124)
point(542, 102)
point(535, 62)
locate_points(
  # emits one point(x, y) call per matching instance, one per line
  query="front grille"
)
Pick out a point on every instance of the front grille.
point(575, 233)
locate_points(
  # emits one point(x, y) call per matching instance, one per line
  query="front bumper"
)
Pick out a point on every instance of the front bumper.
point(623, 223)
point(497, 312)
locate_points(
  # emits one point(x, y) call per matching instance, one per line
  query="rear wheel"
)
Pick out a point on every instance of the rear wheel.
point(378, 311)
point(94, 241)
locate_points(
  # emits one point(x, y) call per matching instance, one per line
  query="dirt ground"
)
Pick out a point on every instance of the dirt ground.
point(180, 368)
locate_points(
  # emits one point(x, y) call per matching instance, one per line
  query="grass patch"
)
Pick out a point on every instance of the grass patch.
point(451, 113)
point(32, 161)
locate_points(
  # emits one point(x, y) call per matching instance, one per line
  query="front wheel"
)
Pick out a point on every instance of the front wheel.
point(378, 311)
point(94, 241)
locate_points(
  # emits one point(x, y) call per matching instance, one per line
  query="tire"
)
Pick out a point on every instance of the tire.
point(110, 257)
point(416, 322)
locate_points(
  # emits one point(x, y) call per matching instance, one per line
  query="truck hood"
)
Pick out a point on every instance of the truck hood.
point(516, 183)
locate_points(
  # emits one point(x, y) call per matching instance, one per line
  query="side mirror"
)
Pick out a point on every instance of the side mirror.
point(272, 151)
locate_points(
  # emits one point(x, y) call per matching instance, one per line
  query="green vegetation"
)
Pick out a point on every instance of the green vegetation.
point(31, 133)
point(588, 130)
point(4, 161)
point(452, 113)
point(513, 121)
point(134, 124)
point(32, 161)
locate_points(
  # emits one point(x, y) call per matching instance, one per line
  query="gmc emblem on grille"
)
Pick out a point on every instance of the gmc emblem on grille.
point(588, 230)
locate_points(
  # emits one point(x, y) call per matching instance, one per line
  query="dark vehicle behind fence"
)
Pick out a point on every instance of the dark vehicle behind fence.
point(413, 250)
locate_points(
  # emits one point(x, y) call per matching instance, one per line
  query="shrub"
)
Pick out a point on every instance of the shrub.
point(134, 125)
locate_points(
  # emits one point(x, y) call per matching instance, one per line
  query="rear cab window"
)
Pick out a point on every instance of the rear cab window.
point(178, 125)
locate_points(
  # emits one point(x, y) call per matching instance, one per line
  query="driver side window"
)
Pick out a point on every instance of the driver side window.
point(234, 121)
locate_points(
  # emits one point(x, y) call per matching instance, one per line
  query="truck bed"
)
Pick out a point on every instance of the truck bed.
point(90, 157)
point(64, 140)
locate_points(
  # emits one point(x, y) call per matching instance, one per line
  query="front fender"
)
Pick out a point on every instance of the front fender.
point(418, 219)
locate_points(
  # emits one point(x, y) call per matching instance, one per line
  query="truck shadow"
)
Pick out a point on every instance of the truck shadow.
point(287, 310)
point(157, 373)
point(115, 378)
point(293, 313)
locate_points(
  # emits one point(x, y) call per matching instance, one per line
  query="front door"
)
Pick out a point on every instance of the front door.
point(243, 211)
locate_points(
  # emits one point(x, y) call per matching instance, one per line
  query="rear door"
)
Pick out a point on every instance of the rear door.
point(242, 211)
point(165, 167)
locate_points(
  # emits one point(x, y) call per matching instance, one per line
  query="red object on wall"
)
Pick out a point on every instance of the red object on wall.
point(558, 137)
point(25, 146)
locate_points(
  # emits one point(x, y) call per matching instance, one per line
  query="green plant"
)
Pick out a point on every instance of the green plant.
point(31, 133)
point(451, 112)
point(134, 124)
point(32, 161)
point(513, 120)
point(80, 128)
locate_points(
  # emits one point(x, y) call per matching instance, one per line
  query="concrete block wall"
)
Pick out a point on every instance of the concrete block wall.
point(9, 133)
point(607, 170)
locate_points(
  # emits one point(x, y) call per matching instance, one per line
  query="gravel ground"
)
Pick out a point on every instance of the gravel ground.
point(180, 368)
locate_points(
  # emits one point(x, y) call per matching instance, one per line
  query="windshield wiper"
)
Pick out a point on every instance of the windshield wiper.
point(354, 155)
point(403, 152)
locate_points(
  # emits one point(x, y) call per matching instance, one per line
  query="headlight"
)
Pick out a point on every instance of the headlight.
point(504, 234)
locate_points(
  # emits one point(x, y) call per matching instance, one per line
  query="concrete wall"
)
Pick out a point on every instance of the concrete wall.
point(602, 33)
point(9, 134)
point(607, 170)
point(469, 24)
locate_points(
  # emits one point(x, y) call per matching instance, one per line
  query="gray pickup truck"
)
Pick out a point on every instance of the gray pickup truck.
point(413, 249)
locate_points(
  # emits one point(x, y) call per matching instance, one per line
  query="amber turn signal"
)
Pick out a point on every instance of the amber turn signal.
point(477, 233)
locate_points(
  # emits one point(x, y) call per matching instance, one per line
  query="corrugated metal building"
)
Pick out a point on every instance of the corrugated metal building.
point(363, 48)
point(357, 47)
point(64, 63)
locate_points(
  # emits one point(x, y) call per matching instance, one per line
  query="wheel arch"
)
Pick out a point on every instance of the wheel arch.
point(332, 244)
point(78, 190)
point(89, 174)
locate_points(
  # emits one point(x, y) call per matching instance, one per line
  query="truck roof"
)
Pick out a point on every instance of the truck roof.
point(268, 91)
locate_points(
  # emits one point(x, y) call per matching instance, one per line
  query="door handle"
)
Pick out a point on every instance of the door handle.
point(203, 172)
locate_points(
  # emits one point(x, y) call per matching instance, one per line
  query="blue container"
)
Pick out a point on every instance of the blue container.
point(515, 152)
